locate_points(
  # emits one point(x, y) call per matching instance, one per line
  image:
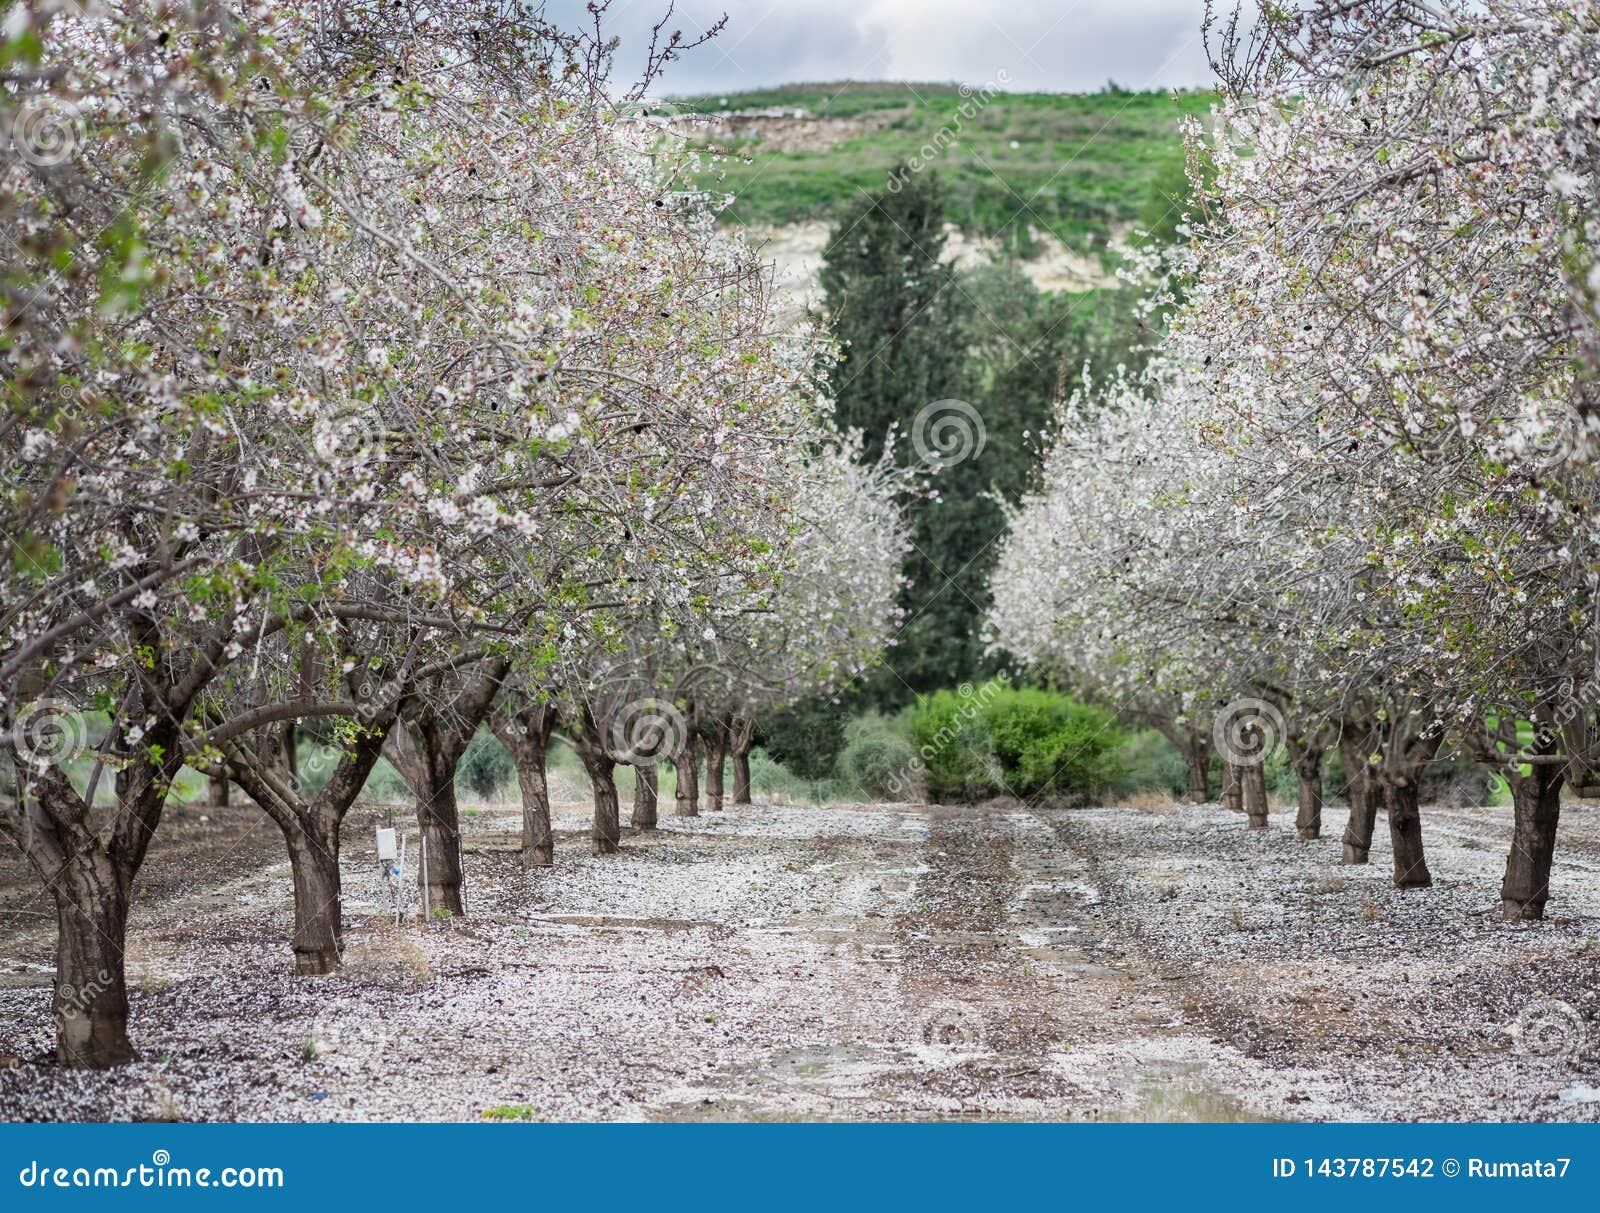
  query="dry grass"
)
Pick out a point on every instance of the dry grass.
point(1149, 801)
point(387, 949)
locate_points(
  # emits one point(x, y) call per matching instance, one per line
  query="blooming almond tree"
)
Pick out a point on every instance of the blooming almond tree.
point(278, 366)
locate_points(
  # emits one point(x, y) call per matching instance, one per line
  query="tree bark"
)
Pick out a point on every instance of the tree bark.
point(1254, 778)
point(644, 797)
point(525, 733)
point(1308, 769)
point(1308, 821)
point(318, 904)
point(716, 747)
point(429, 768)
point(605, 837)
point(1232, 787)
point(1357, 841)
point(311, 828)
point(1536, 810)
point(89, 875)
point(1197, 758)
point(743, 738)
point(1405, 835)
point(439, 820)
point(90, 1005)
point(218, 791)
point(276, 749)
point(291, 752)
point(426, 750)
point(687, 765)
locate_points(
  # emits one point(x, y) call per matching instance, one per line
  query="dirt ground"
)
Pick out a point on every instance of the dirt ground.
point(874, 962)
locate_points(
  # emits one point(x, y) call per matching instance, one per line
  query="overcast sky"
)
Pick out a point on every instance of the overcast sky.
point(1056, 45)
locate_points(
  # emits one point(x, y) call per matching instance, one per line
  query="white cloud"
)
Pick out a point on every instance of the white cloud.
point(1075, 45)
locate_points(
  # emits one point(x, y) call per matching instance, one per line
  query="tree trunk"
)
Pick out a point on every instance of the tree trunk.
point(1363, 799)
point(439, 820)
point(741, 777)
point(1536, 809)
point(427, 750)
point(1197, 758)
point(1253, 777)
point(1405, 835)
point(310, 830)
point(538, 836)
point(716, 746)
point(291, 754)
point(605, 837)
point(1308, 822)
point(525, 733)
point(1308, 768)
point(91, 893)
point(743, 738)
point(1232, 787)
point(644, 797)
point(426, 753)
point(318, 908)
point(218, 791)
point(687, 765)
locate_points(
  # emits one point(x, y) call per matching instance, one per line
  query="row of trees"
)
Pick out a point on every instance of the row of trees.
point(366, 371)
point(1352, 501)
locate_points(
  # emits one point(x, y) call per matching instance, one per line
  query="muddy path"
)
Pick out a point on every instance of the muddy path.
point(865, 962)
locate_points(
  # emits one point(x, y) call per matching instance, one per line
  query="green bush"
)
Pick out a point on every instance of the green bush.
point(877, 757)
point(996, 738)
point(1051, 743)
point(485, 768)
point(771, 778)
point(952, 746)
point(806, 738)
point(1150, 763)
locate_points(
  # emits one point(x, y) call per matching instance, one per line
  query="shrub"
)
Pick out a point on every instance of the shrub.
point(806, 738)
point(1049, 743)
point(952, 745)
point(1028, 742)
point(877, 757)
point(485, 768)
point(771, 778)
point(1149, 763)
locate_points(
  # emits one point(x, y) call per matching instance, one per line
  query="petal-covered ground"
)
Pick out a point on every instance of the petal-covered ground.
point(873, 962)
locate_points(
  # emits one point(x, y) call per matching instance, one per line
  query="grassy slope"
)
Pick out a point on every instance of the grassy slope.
point(1083, 162)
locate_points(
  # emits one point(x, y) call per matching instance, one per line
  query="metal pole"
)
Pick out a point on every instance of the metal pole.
point(400, 882)
point(425, 907)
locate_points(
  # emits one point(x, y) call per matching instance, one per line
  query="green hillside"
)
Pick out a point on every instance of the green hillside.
point(1075, 165)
